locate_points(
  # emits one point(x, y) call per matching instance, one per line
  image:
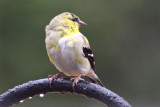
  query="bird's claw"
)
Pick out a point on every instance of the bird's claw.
point(75, 80)
point(53, 77)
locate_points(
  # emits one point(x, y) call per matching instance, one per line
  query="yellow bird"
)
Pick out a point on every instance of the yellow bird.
point(68, 49)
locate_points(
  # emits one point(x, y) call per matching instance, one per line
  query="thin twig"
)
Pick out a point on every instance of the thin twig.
point(61, 85)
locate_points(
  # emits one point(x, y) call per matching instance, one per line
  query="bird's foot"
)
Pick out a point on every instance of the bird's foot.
point(76, 80)
point(53, 77)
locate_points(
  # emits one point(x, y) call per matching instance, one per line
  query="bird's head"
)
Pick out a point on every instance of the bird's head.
point(68, 21)
point(70, 18)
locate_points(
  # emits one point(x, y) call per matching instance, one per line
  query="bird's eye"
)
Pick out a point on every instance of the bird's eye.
point(75, 19)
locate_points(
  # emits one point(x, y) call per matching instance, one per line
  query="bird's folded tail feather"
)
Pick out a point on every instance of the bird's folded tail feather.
point(97, 81)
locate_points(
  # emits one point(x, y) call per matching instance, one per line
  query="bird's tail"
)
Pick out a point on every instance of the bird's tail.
point(94, 78)
point(97, 81)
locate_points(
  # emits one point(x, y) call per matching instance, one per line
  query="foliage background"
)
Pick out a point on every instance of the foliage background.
point(124, 36)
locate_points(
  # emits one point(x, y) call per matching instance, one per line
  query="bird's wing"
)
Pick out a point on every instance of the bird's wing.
point(87, 52)
point(89, 55)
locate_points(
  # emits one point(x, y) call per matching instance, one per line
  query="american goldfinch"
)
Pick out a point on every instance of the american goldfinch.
point(68, 49)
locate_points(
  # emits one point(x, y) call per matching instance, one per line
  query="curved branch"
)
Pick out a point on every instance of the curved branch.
point(62, 85)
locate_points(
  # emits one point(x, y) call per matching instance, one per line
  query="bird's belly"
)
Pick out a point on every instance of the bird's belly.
point(69, 66)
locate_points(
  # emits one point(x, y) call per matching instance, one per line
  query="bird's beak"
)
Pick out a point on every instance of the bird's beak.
point(81, 23)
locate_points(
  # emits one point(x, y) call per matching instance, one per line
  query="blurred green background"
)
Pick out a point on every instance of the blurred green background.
point(124, 36)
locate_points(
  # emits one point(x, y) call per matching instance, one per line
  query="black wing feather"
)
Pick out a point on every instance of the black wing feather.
point(89, 55)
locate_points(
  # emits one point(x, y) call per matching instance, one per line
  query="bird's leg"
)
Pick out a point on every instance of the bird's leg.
point(53, 77)
point(76, 80)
